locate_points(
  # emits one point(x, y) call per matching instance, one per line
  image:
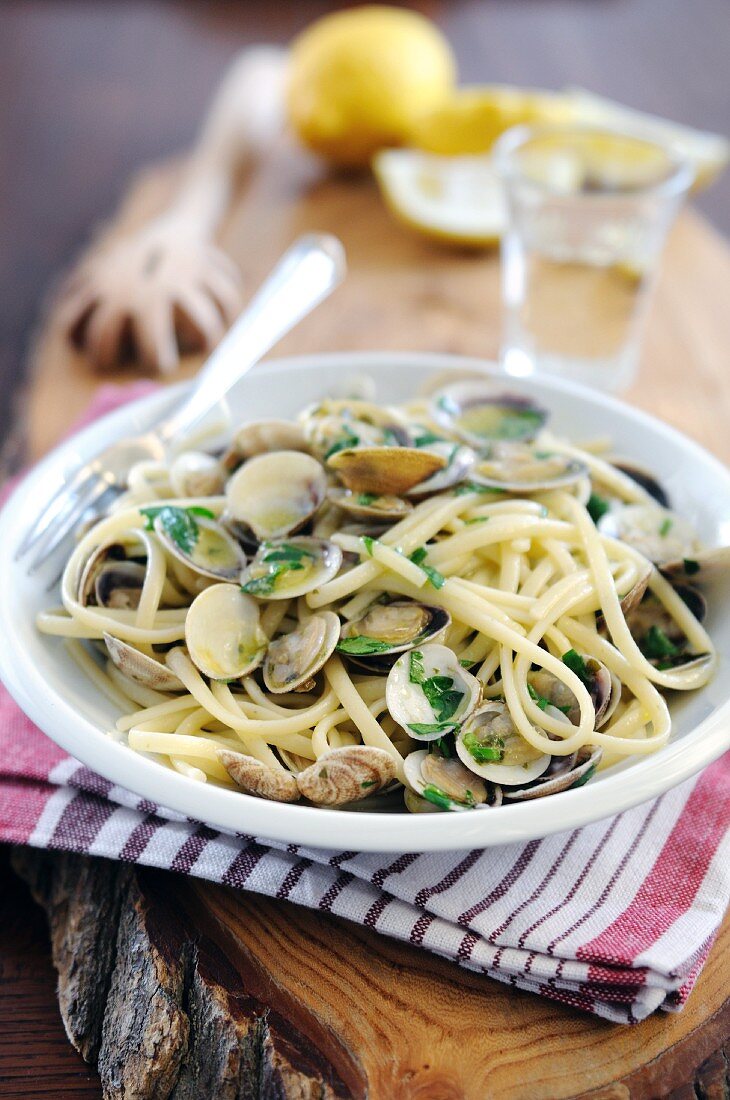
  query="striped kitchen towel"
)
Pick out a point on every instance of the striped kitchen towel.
point(616, 918)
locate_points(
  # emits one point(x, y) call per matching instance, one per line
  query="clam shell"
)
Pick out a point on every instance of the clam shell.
point(412, 767)
point(276, 494)
point(516, 468)
point(294, 658)
point(265, 577)
point(581, 767)
point(388, 471)
point(255, 778)
point(493, 719)
point(459, 461)
point(480, 413)
point(97, 559)
point(346, 775)
point(407, 702)
point(140, 667)
point(222, 633)
point(196, 474)
point(700, 568)
point(387, 509)
point(660, 535)
point(214, 553)
point(401, 625)
point(262, 436)
point(119, 584)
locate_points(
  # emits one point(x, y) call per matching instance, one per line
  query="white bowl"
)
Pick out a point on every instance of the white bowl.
point(54, 693)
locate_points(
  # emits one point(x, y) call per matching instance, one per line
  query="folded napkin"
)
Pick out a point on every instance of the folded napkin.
point(617, 918)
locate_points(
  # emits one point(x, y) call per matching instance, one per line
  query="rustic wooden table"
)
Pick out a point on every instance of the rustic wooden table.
point(237, 989)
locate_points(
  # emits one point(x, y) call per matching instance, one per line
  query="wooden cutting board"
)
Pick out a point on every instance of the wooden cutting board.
point(247, 996)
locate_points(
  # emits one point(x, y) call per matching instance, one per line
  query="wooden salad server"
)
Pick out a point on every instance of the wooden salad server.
point(167, 286)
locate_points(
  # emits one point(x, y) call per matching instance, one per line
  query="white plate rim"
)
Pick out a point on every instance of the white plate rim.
point(236, 812)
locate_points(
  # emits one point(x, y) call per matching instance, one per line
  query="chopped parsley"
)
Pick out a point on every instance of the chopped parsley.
point(423, 729)
point(292, 555)
point(360, 645)
point(465, 662)
point(474, 487)
point(426, 438)
point(368, 542)
point(583, 779)
point(418, 557)
point(597, 506)
point(656, 645)
point(666, 527)
point(576, 664)
point(691, 566)
point(179, 523)
point(443, 697)
point(416, 671)
point(444, 746)
point(542, 702)
point(447, 404)
point(366, 498)
point(490, 750)
point(519, 424)
point(367, 783)
point(437, 796)
point(476, 519)
point(278, 560)
point(343, 443)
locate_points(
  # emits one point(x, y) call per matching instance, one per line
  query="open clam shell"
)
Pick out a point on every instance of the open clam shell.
point(660, 535)
point(222, 633)
point(388, 471)
point(659, 636)
point(283, 568)
point(276, 494)
point(374, 640)
point(370, 506)
point(262, 436)
point(336, 423)
point(99, 558)
point(459, 461)
point(196, 474)
point(256, 778)
point(703, 567)
point(140, 667)
point(573, 771)
point(643, 477)
point(428, 692)
point(518, 468)
point(293, 659)
point(490, 745)
point(479, 413)
point(603, 688)
point(119, 584)
point(445, 784)
point(201, 544)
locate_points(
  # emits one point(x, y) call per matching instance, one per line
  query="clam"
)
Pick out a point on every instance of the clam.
point(570, 771)
point(293, 659)
point(222, 633)
point(643, 477)
point(604, 690)
point(518, 468)
point(262, 436)
point(428, 692)
point(658, 534)
point(384, 470)
point(659, 637)
point(256, 778)
point(444, 782)
point(276, 494)
point(334, 424)
point(283, 568)
point(96, 561)
point(119, 584)
point(479, 413)
point(140, 667)
point(459, 461)
point(346, 775)
point(490, 745)
point(200, 543)
point(386, 509)
point(386, 629)
point(703, 567)
point(196, 474)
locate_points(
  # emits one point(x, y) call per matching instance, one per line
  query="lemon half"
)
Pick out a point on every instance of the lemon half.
point(453, 199)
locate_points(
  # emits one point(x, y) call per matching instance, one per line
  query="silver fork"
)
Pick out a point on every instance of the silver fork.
point(305, 275)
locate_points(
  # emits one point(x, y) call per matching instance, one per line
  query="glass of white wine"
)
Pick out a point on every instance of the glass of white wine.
point(588, 214)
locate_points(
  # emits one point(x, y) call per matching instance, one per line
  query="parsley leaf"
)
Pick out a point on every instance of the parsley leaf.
point(656, 644)
point(179, 523)
point(426, 438)
point(424, 728)
point(437, 796)
point(489, 750)
point(368, 542)
point(368, 783)
point(443, 697)
point(416, 671)
point(262, 586)
point(474, 487)
point(418, 557)
point(597, 506)
point(465, 662)
point(576, 664)
point(666, 527)
point(444, 745)
point(360, 645)
point(476, 519)
point(343, 443)
point(542, 702)
point(366, 498)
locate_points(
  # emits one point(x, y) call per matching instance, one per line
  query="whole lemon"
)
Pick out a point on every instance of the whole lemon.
point(360, 78)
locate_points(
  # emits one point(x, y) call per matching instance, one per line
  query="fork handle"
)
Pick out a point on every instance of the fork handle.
point(305, 275)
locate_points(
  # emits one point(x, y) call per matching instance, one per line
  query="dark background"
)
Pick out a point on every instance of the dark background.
point(89, 91)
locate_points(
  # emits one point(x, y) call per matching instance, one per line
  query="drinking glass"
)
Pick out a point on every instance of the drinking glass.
point(588, 214)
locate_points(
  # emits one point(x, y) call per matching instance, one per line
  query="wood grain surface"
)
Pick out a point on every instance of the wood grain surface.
point(386, 1020)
